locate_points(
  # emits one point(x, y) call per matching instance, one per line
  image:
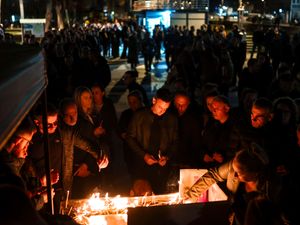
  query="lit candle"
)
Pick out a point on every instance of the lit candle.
point(67, 199)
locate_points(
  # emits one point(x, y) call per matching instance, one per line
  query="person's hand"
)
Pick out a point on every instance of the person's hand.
point(98, 131)
point(162, 160)
point(54, 178)
point(82, 171)
point(218, 157)
point(207, 158)
point(45, 195)
point(103, 162)
point(149, 159)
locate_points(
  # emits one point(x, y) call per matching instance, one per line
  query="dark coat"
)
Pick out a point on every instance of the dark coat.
point(66, 138)
point(140, 129)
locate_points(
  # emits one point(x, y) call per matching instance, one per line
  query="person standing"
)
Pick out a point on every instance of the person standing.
point(129, 79)
point(148, 51)
point(153, 139)
point(61, 148)
point(189, 153)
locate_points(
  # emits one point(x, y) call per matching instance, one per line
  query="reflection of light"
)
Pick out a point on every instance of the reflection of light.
point(166, 18)
point(97, 220)
point(120, 203)
point(13, 18)
point(95, 203)
point(280, 10)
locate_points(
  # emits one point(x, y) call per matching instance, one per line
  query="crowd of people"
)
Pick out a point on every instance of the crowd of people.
point(252, 150)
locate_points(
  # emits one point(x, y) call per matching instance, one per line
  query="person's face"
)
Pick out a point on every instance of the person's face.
point(241, 174)
point(127, 79)
point(134, 103)
point(181, 103)
point(98, 95)
point(259, 117)
point(159, 106)
point(70, 115)
point(22, 142)
point(284, 113)
point(209, 101)
point(219, 110)
point(51, 123)
point(86, 101)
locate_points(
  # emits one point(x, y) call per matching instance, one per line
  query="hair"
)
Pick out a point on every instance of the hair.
point(137, 94)
point(98, 85)
point(253, 159)
point(141, 187)
point(182, 93)
point(263, 103)
point(65, 103)
point(26, 126)
point(51, 110)
point(164, 94)
point(222, 99)
point(77, 96)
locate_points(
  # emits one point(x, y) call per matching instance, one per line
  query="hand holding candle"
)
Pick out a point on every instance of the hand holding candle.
point(103, 162)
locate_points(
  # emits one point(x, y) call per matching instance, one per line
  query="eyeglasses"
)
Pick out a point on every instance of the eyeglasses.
point(51, 125)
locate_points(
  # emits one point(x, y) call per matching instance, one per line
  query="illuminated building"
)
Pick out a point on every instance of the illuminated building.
point(170, 12)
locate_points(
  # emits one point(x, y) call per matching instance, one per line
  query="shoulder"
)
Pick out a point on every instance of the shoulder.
point(142, 114)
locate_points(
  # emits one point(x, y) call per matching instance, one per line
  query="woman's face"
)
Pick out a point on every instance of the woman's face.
point(86, 101)
point(241, 174)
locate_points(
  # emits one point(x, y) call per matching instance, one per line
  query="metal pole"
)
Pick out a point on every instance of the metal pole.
point(46, 152)
point(22, 16)
point(0, 11)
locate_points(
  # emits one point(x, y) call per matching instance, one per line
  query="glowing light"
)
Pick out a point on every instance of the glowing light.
point(113, 210)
